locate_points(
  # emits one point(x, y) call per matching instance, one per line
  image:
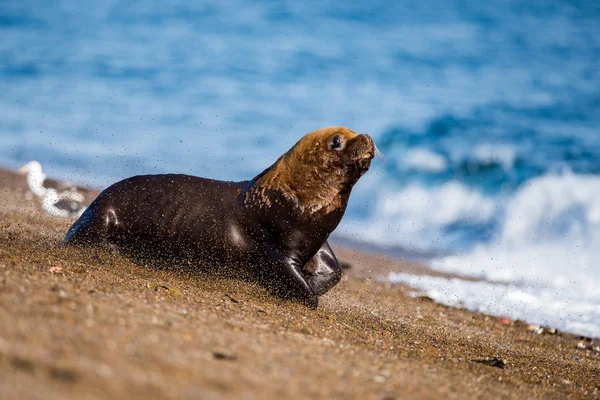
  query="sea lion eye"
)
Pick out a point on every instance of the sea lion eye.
point(336, 143)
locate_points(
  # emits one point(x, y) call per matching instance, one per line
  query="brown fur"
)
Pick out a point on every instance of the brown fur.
point(310, 174)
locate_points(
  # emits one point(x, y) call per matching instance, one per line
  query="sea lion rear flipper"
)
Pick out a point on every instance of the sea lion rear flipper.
point(89, 228)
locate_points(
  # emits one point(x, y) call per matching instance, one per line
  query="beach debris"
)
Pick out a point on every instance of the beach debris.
point(491, 362)
point(22, 364)
point(426, 298)
point(157, 286)
point(538, 329)
point(233, 300)
point(589, 344)
point(305, 331)
point(224, 356)
point(54, 270)
point(506, 321)
point(64, 203)
point(535, 329)
point(63, 374)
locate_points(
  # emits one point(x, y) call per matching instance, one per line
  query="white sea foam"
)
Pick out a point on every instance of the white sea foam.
point(550, 233)
point(546, 256)
point(554, 207)
point(571, 311)
point(494, 153)
point(426, 160)
point(417, 217)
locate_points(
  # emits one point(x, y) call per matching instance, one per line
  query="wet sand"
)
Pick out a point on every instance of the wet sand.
point(93, 324)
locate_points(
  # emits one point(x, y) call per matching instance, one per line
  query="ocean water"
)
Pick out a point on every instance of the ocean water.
point(488, 114)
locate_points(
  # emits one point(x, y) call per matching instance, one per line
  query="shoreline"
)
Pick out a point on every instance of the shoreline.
point(91, 324)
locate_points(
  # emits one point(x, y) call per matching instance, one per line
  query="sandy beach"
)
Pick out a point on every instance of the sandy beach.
point(92, 324)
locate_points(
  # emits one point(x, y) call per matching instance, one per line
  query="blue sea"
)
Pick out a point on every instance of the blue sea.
point(488, 114)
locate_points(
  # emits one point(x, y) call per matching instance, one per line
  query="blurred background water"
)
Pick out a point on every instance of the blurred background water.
point(487, 112)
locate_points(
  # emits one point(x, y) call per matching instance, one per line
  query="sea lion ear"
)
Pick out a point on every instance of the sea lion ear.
point(315, 148)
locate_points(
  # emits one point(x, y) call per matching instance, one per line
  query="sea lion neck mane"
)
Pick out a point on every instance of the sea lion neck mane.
point(313, 175)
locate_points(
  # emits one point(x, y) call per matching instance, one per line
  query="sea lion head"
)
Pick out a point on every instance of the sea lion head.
point(319, 171)
point(336, 156)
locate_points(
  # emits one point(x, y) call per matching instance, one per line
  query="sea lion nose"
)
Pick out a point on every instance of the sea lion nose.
point(369, 144)
point(370, 140)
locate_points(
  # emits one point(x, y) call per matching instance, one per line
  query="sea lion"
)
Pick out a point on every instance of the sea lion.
point(279, 221)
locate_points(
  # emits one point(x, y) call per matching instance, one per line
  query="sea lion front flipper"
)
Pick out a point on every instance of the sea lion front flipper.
point(294, 271)
point(323, 271)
